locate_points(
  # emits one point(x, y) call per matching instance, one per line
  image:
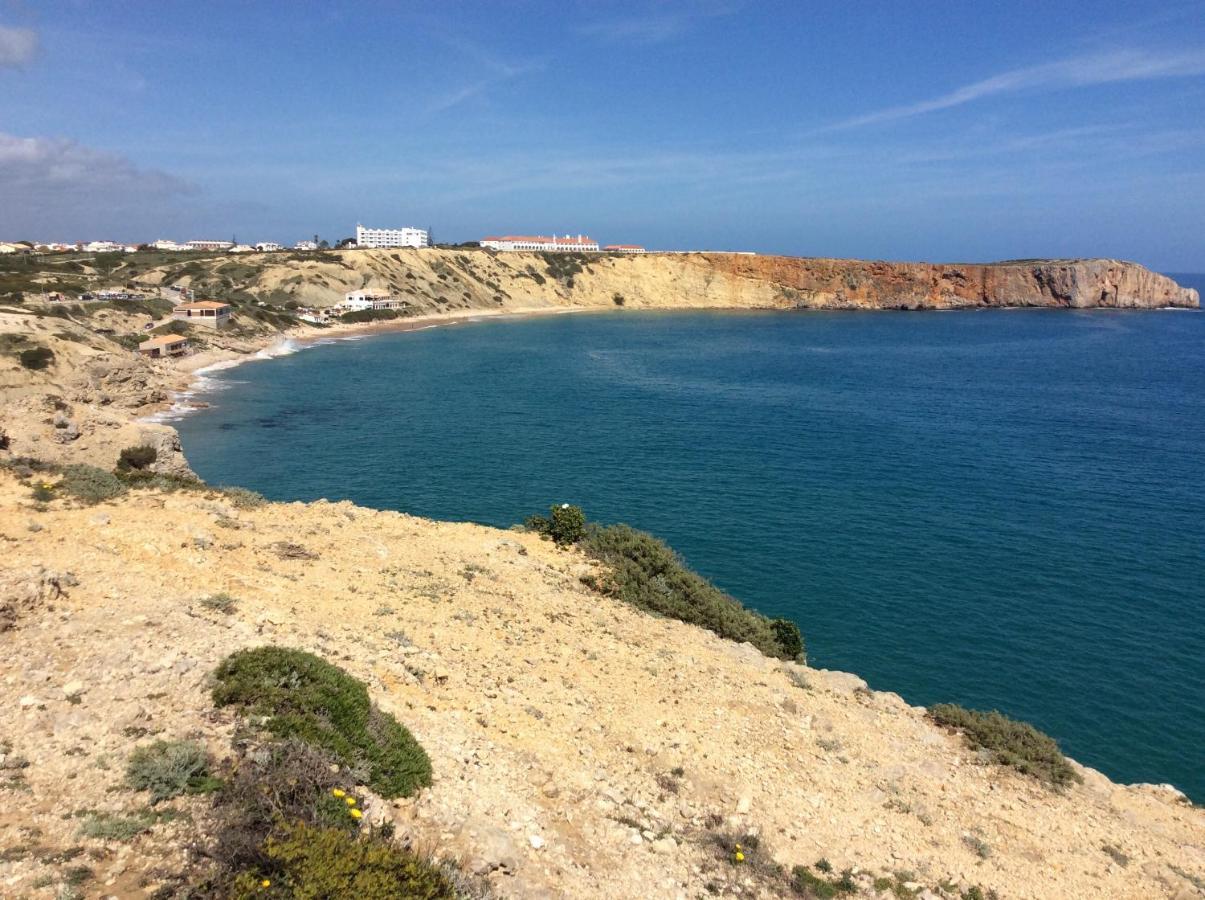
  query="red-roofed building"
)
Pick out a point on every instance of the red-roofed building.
point(540, 243)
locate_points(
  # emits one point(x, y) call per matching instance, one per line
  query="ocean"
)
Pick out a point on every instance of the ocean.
point(1000, 508)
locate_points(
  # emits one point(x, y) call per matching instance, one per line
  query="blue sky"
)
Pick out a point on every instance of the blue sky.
point(895, 130)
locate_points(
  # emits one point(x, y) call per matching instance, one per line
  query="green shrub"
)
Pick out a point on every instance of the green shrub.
point(308, 863)
point(222, 603)
point(565, 524)
point(106, 826)
point(137, 458)
point(1009, 743)
point(36, 357)
point(807, 883)
point(169, 769)
point(284, 782)
point(618, 299)
point(790, 641)
point(649, 575)
point(90, 484)
point(241, 498)
point(371, 315)
point(304, 697)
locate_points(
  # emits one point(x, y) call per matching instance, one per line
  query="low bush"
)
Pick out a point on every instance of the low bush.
point(285, 781)
point(106, 826)
point(807, 883)
point(564, 524)
point(90, 484)
point(137, 458)
point(36, 357)
point(301, 696)
point(309, 863)
point(371, 315)
point(168, 769)
point(649, 575)
point(222, 603)
point(241, 498)
point(1009, 743)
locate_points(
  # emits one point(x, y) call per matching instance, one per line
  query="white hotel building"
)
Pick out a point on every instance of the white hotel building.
point(551, 244)
point(391, 237)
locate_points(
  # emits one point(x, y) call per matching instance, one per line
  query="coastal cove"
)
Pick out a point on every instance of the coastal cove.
point(999, 508)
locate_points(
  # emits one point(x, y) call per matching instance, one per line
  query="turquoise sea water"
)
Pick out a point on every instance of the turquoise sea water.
point(998, 508)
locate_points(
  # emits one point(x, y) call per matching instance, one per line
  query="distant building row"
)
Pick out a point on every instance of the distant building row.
point(553, 244)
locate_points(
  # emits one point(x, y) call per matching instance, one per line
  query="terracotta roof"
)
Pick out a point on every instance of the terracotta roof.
point(164, 340)
point(204, 304)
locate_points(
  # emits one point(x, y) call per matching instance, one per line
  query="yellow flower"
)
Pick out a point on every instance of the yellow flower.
point(740, 857)
point(338, 792)
point(350, 801)
point(737, 848)
point(265, 883)
point(355, 813)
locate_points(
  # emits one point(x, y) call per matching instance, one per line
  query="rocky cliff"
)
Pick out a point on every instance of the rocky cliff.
point(444, 280)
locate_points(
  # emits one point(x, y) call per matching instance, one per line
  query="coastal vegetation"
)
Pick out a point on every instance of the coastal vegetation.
point(136, 458)
point(168, 769)
point(1009, 743)
point(288, 821)
point(36, 357)
point(297, 695)
point(565, 524)
point(648, 574)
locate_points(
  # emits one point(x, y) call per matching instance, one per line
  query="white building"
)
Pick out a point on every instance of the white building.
point(305, 245)
point(369, 298)
point(353, 301)
point(103, 247)
point(267, 247)
point(551, 244)
point(321, 315)
point(241, 248)
point(624, 248)
point(168, 245)
point(391, 237)
point(209, 245)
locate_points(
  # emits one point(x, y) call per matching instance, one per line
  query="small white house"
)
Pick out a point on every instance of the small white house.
point(306, 245)
point(367, 298)
point(267, 247)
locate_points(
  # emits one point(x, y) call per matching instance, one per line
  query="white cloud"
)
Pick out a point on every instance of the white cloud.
point(17, 46)
point(1080, 71)
point(52, 183)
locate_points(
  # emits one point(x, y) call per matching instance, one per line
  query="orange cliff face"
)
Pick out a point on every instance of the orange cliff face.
point(858, 284)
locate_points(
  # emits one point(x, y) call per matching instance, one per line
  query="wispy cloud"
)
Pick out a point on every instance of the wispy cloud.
point(498, 71)
point(653, 27)
point(1080, 71)
point(18, 46)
